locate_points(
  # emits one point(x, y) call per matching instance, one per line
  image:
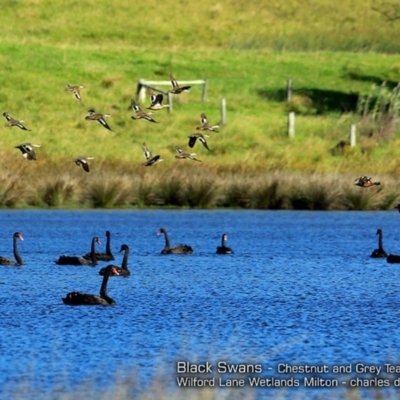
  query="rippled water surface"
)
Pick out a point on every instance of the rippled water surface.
point(300, 289)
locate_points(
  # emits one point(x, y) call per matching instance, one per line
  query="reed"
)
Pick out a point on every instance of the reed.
point(108, 191)
point(379, 111)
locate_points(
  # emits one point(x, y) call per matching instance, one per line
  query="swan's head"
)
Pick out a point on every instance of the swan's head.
point(108, 233)
point(97, 240)
point(225, 236)
point(161, 231)
point(18, 235)
point(379, 231)
point(123, 247)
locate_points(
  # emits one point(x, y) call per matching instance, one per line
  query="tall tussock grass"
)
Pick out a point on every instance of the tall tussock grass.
point(115, 186)
point(54, 191)
point(379, 111)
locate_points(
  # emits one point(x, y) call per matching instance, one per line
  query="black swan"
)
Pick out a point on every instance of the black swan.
point(83, 299)
point(178, 249)
point(107, 256)
point(123, 269)
point(75, 260)
point(393, 259)
point(8, 261)
point(223, 249)
point(379, 252)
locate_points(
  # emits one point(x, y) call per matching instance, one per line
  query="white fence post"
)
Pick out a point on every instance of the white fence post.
point(353, 135)
point(291, 123)
point(170, 102)
point(223, 111)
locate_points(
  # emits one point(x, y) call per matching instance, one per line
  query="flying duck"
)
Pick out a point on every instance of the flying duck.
point(150, 160)
point(365, 181)
point(75, 90)
point(200, 137)
point(182, 155)
point(27, 150)
point(83, 162)
point(176, 89)
point(156, 102)
point(205, 126)
point(13, 122)
point(94, 116)
point(140, 114)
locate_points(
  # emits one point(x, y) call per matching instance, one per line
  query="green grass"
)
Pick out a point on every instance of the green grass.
point(246, 52)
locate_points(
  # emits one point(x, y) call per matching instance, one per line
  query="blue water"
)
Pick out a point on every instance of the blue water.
point(300, 289)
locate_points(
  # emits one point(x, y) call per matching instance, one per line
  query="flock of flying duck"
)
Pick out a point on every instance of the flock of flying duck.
point(28, 149)
point(92, 258)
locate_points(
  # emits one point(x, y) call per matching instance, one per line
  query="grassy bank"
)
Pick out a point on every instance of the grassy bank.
point(188, 185)
point(242, 50)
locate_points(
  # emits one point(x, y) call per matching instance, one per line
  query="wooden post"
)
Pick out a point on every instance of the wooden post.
point(223, 111)
point(291, 119)
point(289, 89)
point(353, 137)
point(140, 92)
point(170, 102)
point(205, 87)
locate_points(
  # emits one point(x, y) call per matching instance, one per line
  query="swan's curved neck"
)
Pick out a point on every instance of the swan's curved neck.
point(380, 241)
point(124, 264)
point(167, 243)
point(103, 288)
point(108, 245)
point(223, 241)
point(93, 252)
point(16, 252)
